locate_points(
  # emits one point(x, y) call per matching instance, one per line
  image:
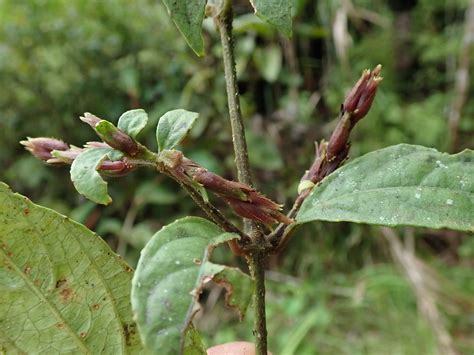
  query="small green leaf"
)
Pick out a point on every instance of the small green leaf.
point(399, 185)
point(85, 177)
point(188, 16)
point(275, 12)
point(133, 121)
point(62, 289)
point(170, 273)
point(173, 127)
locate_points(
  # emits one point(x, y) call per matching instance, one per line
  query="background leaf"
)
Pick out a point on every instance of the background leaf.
point(169, 275)
point(398, 185)
point(275, 12)
point(62, 290)
point(85, 177)
point(188, 16)
point(268, 61)
point(133, 121)
point(173, 127)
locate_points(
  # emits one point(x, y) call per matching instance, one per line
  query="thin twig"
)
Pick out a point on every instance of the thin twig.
point(211, 211)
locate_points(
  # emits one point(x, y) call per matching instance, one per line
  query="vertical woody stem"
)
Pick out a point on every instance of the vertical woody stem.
point(256, 259)
point(224, 21)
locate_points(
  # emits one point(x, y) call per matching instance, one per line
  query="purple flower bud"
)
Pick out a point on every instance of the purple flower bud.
point(243, 199)
point(64, 156)
point(360, 98)
point(352, 99)
point(90, 119)
point(115, 168)
point(96, 145)
point(42, 147)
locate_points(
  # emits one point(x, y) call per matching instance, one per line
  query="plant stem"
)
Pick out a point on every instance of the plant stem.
point(213, 212)
point(256, 259)
point(257, 267)
point(224, 21)
point(151, 160)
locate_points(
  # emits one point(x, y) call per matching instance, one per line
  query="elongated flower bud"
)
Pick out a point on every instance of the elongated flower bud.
point(360, 98)
point(115, 168)
point(340, 136)
point(243, 199)
point(111, 135)
point(42, 147)
point(64, 156)
point(90, 119)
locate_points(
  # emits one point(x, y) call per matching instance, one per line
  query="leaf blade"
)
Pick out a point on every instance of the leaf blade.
point(398, 185)
point(173, 127)
point(188, 16)
point(60, 285)
point(275, 12)
point(171, 269)
point(133, 121)
point(85, 177)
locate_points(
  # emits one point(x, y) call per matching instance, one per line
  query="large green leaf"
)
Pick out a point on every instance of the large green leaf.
point(170, 273)
point(173, 127)
point(188, 16)
point(85, 177)
point(62, 290)
point(275, 12)
point(133, 121)
point(398, 185)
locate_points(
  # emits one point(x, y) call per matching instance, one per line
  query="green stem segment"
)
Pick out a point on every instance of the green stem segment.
point(256, 259)
point(257, 267)
point(224, 21)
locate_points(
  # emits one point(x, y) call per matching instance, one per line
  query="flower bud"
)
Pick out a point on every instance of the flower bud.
point(360, 98)
point(257, 212)
point(42, 147)
point(90, 119)
point(64, 156)
point(111, 135)
point(115, 168)
point(243, 199)
point(96, 145)
point(115, 138)
point(340, 137)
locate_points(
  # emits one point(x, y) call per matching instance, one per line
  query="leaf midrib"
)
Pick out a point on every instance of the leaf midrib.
point(97, 270)
point(46, 301)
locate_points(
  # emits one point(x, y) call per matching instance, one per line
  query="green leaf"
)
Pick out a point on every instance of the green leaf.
point(132, 122)
point(85, 177)
point(399, 185)
point(275, 12)
point(188, 16)
point(173, 127)
point(62, 290)
point(170, 273)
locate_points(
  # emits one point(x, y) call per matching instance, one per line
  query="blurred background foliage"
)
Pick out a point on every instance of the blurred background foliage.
point(338, 288)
